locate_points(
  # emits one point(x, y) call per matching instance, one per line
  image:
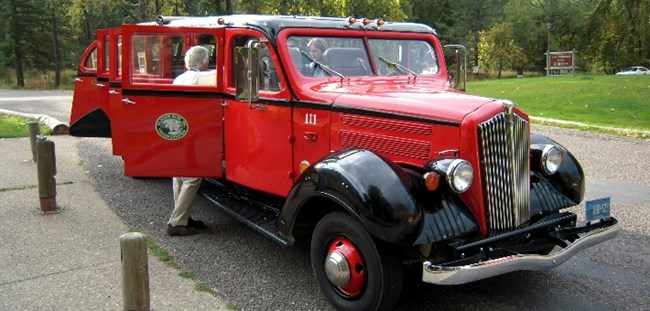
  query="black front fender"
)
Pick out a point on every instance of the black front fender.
point(372, 189)
point(563, 189)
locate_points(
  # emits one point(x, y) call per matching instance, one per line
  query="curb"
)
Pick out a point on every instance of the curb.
point(58, 127)
point(587, 127)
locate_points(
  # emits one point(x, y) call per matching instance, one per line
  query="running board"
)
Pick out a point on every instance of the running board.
point(263, 218)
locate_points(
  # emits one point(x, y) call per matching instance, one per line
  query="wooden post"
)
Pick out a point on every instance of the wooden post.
point(135, 272)
point(46, 166)
point(34, 131)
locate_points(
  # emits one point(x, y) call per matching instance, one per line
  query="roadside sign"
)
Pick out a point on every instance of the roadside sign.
point(561, 63)
point(562, 60)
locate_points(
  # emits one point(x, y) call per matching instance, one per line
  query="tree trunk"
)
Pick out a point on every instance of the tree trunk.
point(229, 8)
point(500, 67)
point(18, 55)
point(86, 25)
point(158, 7)
point(143, 10)
point(55, 50)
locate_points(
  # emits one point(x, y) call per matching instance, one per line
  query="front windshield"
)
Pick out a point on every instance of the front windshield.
point(348, 57)
point(416, 55)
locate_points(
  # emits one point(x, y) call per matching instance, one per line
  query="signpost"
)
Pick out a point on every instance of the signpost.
point(561, 63)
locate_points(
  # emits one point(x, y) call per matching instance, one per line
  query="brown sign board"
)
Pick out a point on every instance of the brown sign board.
point(561, 60)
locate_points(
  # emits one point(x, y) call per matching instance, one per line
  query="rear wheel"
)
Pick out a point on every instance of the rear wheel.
point(354, 270)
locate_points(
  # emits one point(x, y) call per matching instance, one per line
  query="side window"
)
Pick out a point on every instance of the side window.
point(119, 55)
point(160, 58)
point(91, 61)
point(268, 77)
point(268, 73)
point(107, 49)
point(209, 42)
point(422, 58)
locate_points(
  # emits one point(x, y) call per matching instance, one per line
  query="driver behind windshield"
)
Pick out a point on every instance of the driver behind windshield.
point(317, 47)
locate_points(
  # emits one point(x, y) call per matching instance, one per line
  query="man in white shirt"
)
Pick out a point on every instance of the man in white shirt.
point(185, 188)
point(197, 59)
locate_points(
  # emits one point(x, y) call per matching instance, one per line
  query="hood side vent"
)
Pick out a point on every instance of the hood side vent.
point(386, 136)
point(388, 125)
point(386, 144)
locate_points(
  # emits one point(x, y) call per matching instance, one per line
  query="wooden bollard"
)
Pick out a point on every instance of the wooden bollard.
point(34, 132)
point(135, 272)
point(46, 166)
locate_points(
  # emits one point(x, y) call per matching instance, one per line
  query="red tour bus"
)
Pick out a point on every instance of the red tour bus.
point(380, 158)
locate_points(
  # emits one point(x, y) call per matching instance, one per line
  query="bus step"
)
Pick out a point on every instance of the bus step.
point(261, 217)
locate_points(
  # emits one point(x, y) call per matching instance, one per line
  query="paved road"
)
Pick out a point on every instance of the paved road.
point(56, 104)
point(254, 273)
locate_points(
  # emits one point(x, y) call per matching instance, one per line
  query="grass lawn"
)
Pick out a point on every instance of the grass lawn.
point(614, 101)
point(11, 127)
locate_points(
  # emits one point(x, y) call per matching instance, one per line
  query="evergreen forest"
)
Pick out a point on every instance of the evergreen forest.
point(608, 35)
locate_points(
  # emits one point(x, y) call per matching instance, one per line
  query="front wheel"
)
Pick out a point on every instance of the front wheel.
point(354, 270)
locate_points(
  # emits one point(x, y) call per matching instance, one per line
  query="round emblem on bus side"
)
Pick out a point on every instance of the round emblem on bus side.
point(172, 126)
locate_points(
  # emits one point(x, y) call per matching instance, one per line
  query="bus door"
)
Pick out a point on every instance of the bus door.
point(115, 89)
point(170, 130)
point(88, 118)
point(103, 67)
point(258, 134)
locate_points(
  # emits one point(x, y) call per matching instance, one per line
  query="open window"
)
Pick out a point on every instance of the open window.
point(254, 55)
point(91, 61)
point(158, 58)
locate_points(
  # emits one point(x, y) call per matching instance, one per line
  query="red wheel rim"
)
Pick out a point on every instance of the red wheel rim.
point(355, 262)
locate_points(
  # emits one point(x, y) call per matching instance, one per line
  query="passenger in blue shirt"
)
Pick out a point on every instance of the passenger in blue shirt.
point(317, 46)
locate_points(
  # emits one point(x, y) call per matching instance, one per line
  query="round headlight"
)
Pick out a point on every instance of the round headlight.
point(460, 175)
point(551, 159)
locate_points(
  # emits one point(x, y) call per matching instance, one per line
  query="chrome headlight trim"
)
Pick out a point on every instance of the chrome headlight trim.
point(551, 159)
point(460, 175)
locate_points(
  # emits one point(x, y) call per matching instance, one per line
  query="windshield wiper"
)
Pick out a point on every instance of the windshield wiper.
point(397, 66)
point(331, 72)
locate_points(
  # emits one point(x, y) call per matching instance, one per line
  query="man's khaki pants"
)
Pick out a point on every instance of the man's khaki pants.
point(185, 189)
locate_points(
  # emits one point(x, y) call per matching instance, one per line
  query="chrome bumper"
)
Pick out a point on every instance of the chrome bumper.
point(444, 275)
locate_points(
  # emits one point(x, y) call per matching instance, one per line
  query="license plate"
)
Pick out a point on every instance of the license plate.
point(597, 209)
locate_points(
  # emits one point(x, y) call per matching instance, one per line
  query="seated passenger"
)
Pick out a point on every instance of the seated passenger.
point(208, 78)
point(196, 60)
point(317, 47)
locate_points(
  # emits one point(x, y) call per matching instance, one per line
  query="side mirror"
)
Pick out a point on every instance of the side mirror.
point(246, 71)
point(458, 79)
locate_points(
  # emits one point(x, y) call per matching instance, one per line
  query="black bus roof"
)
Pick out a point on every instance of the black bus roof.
point(272, 24)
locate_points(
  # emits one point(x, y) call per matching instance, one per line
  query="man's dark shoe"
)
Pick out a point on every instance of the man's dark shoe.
point(198, 224)
point(181, 230)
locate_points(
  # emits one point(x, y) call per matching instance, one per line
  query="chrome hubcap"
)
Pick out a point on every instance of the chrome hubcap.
point(337, 268)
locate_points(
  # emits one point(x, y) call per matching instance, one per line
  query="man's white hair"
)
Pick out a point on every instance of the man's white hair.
point(196, 56)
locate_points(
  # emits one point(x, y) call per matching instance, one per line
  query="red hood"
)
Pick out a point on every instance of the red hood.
point(426, 99)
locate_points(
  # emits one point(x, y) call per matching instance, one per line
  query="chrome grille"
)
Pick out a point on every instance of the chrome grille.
point(504, 145)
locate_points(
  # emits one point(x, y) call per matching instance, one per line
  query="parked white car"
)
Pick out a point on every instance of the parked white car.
point(634, 70)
